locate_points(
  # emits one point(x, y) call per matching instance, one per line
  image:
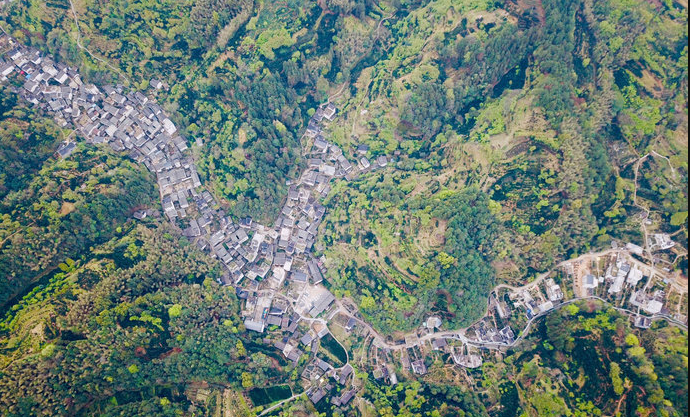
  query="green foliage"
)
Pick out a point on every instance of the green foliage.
point(174, 310)
point(580, 88)
point(470, 234)
point(26, 141)
point(616, 381)
point(418, 399)
point(120, 313)
point(452, 282)
point(270, 40)
point(586, 372)
point(631, 340)
point(247, 380)
point(679, 219)
point(52, 222)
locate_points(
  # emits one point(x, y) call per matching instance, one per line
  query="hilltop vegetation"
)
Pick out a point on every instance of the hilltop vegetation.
point(125, 329)
point(543, 104)
point(52, 210)
point(411, 280)
point(517, 133)
point(548, 108)
point(585, 360)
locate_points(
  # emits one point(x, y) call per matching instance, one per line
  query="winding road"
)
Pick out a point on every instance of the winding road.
point(458, 334)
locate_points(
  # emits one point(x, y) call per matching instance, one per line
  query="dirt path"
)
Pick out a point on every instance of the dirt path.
point(85, 49)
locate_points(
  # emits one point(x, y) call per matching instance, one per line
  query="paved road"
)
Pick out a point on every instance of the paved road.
point(280, 404)
point(458, 334)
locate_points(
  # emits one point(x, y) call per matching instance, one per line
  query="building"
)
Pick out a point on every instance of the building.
point(662, 241)
point(329, 112)
point(634, 276)
point(432, 322)
point(257, 326)
point(553, 291)
point(347, 397)
point(653, 306)
point(66, 149)
point(619, 279)
point(589, 282)
point(633, 248)
point(298, 276)
point(382, 161)
point(418, 367)
point(316, 395)
point(643, 322)
point(306, 339)
point(507, 335)
point(157, 84)
point(321, 303)
point(314, 271)
point(545, 306)
point(344, 373)
point(467, 361)
point(438, 344)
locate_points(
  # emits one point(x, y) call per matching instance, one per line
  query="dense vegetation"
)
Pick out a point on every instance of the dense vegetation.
point(585, 360)
point(26, 140)
point(126, 328)
point(518, 133)
point(53, 210)
point(453, 279)
point(570, 115)
point(588, 85)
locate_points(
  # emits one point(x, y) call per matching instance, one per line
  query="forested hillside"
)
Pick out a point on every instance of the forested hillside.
point(586, 361)
point(493, 139)
point(52, 209)
point(141, 313)
point(571, 116)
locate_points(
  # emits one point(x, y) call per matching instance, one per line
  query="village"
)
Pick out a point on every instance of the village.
point(272, 268)
point(618, 277)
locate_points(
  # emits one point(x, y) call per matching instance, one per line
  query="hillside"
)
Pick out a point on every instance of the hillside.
point(402, 208)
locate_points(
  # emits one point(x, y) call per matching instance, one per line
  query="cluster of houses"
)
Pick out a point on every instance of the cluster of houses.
point(131, 122)
point(534, 301)
point(663, 249)
point(619, 273)
point(263, 261)
point(485, 332)
point(628, 282)
point(466, 356)
point(282, 253)
point(127, 121)
point(264, 257)
point(619, 280)
point(381, 361)
point(661, 241)
point(412, 358)
point(294, 343)
point(297, 339)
